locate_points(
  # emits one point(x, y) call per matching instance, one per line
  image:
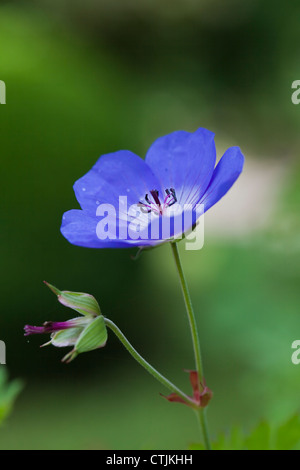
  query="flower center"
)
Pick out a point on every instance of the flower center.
point(154, 204)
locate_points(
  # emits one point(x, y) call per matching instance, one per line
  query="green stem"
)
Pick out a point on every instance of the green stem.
point(145, 364)
point(201, 416)
point(190, 311)
point(196, 343)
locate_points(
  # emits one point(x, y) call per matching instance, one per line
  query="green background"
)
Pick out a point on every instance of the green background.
point(89, 77)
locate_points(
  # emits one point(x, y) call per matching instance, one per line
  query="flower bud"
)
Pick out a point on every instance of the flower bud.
point(93, 336)
point(84, 333)
point(85, 304)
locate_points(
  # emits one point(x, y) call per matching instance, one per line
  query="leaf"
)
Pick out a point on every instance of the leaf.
point(288, 434)
point(233, 441)
point(260, 438)
point(196, 446)
point(8, 394)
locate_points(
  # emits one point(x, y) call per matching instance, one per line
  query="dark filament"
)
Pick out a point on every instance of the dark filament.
point(155, 205)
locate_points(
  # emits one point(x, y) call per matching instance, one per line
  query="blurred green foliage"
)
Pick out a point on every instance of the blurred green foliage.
point(86, 78)
point(8, 394)
point(285, 437)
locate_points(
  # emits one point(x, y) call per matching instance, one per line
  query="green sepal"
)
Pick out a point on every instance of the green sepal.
point(85, 304)
point(65, 338)
point(93, 336)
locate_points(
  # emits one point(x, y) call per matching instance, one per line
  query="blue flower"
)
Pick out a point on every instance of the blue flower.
point(127, 201)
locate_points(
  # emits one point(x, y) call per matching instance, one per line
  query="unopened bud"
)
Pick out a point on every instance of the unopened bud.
point(84, 333)
point(85, 304)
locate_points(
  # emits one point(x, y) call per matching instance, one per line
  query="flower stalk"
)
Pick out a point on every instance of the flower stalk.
point(201, 413)
point(157, 375)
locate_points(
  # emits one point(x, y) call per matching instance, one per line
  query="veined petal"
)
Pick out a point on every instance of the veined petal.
point(226, 173)
point(184, 161)
point(81, 229)
point(115, 174)
point(173, 224)
point(65, 338)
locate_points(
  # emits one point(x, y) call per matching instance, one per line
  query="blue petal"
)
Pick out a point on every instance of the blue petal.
point(226, 173)
point(184, 161)
point(153, 230)
point(116, 174)
point(80, 229)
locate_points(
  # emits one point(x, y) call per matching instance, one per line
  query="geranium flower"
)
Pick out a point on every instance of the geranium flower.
point(127, 201)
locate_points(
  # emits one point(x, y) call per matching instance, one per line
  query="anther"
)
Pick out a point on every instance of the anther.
point(155, 205)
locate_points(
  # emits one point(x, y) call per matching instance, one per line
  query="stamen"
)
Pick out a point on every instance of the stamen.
point(156, 206)
point(154, 193)
point(166, 198)
point(147, 199)
point(172, 190)
point(143, 208)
